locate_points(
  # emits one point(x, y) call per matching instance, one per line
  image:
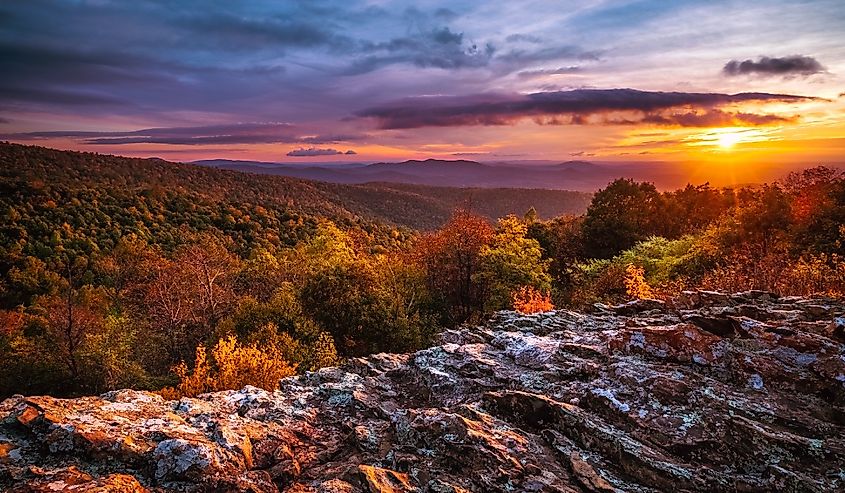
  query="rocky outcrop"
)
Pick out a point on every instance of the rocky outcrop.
point(719, 392)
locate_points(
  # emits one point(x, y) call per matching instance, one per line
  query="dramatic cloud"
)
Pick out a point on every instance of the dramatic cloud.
point(581, 106)
point(238, 133)
point(768, 66)
point(437, 47)
point(178, 66)
point(251, 61)
point(715, 118)
point(312, 152)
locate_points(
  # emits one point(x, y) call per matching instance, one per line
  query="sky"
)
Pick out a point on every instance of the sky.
point(701, 83)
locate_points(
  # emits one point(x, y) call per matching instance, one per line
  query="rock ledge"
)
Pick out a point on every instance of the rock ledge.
point(719, 392)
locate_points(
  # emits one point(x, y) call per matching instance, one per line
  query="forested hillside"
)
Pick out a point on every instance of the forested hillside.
point(115, 270)
point(118, 272)
point(41, 170)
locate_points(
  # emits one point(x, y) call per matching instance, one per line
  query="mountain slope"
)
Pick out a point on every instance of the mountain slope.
point(726, 393)
point(30, 170)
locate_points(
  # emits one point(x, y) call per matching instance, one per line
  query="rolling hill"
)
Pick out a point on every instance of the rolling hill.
point(30, 169)
point(569, 175)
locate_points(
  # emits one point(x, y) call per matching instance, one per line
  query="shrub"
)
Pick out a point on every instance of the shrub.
point(808, 275)
point(598, 281)
point(635, 284)
point(531, 300)
point(232, 366)
point(323, 352)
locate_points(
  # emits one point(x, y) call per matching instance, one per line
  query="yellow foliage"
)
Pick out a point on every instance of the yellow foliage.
point(635, 283)
point(809, 275)
point(232, 366)
point(531, 300)
point(324, 352)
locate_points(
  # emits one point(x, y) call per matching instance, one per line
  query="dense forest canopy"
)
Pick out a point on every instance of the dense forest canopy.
point(118, 272)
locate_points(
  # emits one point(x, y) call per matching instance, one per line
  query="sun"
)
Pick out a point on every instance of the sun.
point(728, 139)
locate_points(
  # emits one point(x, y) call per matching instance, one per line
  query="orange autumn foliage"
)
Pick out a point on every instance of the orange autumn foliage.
point(635, 283)
point(232, 366)
point(531, 300)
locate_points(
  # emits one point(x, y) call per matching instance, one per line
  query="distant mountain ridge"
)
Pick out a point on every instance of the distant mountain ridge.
point(413, 206)
point(569, 175)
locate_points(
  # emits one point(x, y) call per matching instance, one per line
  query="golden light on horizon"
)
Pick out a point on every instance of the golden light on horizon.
point(727, 140)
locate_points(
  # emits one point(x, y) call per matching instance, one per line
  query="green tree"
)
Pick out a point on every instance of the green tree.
point(619, 216)
point(561, 242)
point(509, 262)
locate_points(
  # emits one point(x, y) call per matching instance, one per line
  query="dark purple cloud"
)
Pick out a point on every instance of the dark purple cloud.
point(767, 66)
point(238, 133)
point(437, 47)
point(581, 106)
point(301, 61)
point(716, 118)
point(313, 152)
point(332, 138)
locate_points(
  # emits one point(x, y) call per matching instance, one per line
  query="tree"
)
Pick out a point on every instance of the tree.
point(69, 320)
point(210, 268)
point(282, 316)
point(817, 198)
point(110, 356)
point(764, 219)
point(166, 305)
point(562, 244)
point(691, 209)
point(28, 279)
point(127, 267)
point(70, 317)
point(262, 274)
point(509, 262)
point(619, 216)
point(451, 259)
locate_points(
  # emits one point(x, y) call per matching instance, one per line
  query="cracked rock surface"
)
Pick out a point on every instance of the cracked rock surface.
point(715, 392)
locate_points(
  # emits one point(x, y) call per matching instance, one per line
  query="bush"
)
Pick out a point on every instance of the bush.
point(809, 275)
point(635, 284)
point(231, 366)
point(530, 300)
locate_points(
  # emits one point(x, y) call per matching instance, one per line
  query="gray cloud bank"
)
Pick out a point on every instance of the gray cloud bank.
point(768, 66)
point(580, 106)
